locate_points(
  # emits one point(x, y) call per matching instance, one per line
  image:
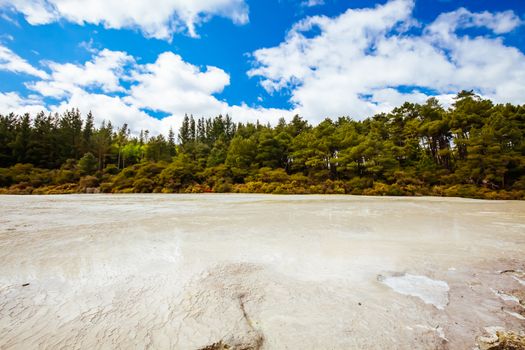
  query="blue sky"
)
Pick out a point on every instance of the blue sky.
point(148, 65)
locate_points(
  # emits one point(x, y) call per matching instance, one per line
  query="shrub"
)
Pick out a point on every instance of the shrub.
point(143, 186)
point(222, 187)
point(379, 189)
point(88, 181)
point(5, 177)
point(106, 187)
point(21, 188)
point(88, 164)
point(65, 176)
point(68, 188)
point(111, 169)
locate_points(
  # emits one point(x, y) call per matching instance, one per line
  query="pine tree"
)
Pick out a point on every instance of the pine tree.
point(184, 132)
point(87, 133)
point(171, 143)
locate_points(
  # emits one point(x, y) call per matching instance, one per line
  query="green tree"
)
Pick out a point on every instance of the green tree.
point(21, 141)
point(88, 164)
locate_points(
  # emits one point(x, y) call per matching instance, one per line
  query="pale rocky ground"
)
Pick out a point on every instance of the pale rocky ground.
point(258, 272)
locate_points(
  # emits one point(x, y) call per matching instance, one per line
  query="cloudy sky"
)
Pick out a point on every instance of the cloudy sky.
point(147, 65)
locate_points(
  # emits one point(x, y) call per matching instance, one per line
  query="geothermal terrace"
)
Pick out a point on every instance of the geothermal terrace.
point(258, 272)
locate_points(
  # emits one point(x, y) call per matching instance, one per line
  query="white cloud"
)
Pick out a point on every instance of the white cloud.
point(104, 72)
point(387, 99)
point(158, 19)
point(116, 110)
point(10, 61)
point(11, 102)
point(172, 85)
point(499, 23)
point(176, 87)
point(245, 113)
point(312, 3)
point(361, 60)
point(169, 85)
point(360, 63)
point(110, 108)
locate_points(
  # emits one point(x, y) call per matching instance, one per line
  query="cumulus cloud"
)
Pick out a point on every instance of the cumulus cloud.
point(499, 23)
point(9, 61)
point(117, 110)
point(172, 85)
point(159, 19)
point(110, 108)
point(169, 85)
point(12, 102)
point(105, 72)
point(360, 62)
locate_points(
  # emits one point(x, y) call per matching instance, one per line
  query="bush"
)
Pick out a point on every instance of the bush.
point(65, 176)
point(106, 187)
point(379, 189)
point(5, 177)
point(60, 189)
point(196, 188)
point(359, 184)
point(88, 181)
point(128, 172)
point(289, 188)
point(39, 177)
point(222, 187)
point(333, 187)
point(88, 164)
point(21, 188)
point(111, 169)
point(143, 186)
point(20, 172)
point(269, 175)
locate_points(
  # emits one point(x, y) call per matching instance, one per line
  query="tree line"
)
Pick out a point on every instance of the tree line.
point(475, 149)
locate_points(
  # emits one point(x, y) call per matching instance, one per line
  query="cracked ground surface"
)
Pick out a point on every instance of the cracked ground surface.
point(256, 272)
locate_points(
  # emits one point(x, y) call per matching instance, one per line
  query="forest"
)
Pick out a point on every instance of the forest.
point(473, 149)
